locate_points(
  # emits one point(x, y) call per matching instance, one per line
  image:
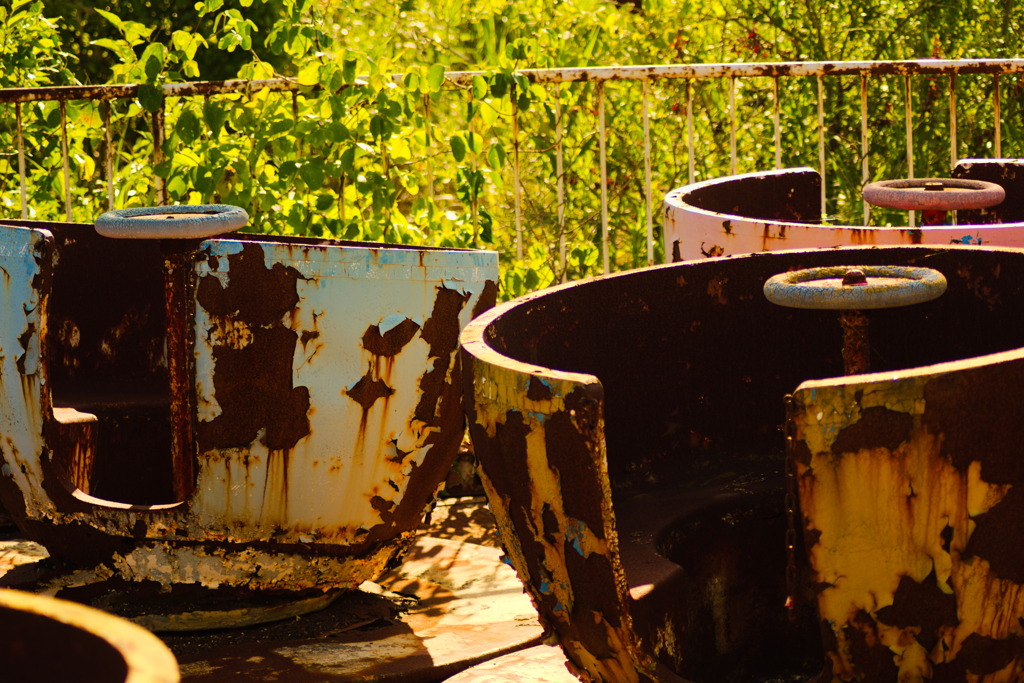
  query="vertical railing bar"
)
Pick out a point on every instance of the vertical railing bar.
point(952, 122)
point(108, 154)
point(776, 120)
point(605, 257)
point(158, 152)
point(998, 118)
point(560, 180)
point(732, 125)
point(64, 157)
point(689, 131)
point(648, 191)
point(908, 112)
point(295, 120)
point(427, 134)
point(865, 170)
point(952, 131)
point(821, 144)
point(23, 181)
point(515, 177)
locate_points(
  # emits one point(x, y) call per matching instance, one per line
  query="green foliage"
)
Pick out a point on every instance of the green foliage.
point(31, 52)
point(357, 153)
point(110, 34)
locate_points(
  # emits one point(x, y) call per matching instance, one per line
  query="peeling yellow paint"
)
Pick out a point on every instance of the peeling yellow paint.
point(498, 391)
point(884, 513)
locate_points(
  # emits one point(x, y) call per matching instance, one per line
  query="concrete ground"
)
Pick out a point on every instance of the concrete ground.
point(452, 610)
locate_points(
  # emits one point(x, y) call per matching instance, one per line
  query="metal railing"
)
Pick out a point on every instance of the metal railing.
point(649, 80)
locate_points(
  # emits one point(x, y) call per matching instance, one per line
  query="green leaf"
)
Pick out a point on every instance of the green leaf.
point(287, 169)
point(337, 132)
point(151, 97)
point(380, 127)
point(111, 17)
point(188, 127)
point(486, 226)
point(348, 159)
point(499, 84)
point(152, 61)
point(177, 187)
point(324, 202)
point(435, 77)
point(348, 70)
point(458, 146)
point(313, 173)
point(412, 81)
point(214, 115)
point(480, 87)
point(118, 47)
point(186, 42)
point(532, 279)
point(230, 41)
point(309, 75)
point(496, 156)
point(523, 102)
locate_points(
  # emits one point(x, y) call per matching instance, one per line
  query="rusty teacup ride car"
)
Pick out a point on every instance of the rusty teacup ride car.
point(775, 210)
point(692, 487)
point(187, 407)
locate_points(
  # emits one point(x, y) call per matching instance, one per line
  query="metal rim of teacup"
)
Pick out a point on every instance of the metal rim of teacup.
point(182, 221)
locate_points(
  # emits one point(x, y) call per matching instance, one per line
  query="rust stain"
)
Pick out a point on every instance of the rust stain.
point(253, 384)
point(716, 290)
point(878, 427)
point(488, 297)
point(538, 390)
point(711, 252)
point(921, 605)
point(980, 286)
point(439, 407)
point(367, 391)
point(24, 341)
point(938, 491)
point(388, 345)
point(441, 332)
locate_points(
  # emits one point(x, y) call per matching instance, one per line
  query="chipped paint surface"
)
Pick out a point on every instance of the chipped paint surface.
point(775, 210)
point(294, 466)
point(554, 515)
point(24, 265)
point(908, 487)
point(682, 454)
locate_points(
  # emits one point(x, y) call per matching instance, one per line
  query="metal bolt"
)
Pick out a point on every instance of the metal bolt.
point(854, 277)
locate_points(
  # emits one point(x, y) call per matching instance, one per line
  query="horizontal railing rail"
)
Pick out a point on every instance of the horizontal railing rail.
point(719, 119)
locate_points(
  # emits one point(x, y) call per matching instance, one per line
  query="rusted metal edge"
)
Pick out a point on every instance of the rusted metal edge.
point(557, 541)
point(563, 75)
point(678, 199)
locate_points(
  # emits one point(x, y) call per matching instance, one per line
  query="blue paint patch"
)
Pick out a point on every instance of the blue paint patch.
point(222, 248)
point(574, 533)
point(394, 320)
point(457, 285)
point(968, 240)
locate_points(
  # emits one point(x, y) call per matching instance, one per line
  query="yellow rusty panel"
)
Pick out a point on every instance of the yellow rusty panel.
point(503, 389)
point(885, 512)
